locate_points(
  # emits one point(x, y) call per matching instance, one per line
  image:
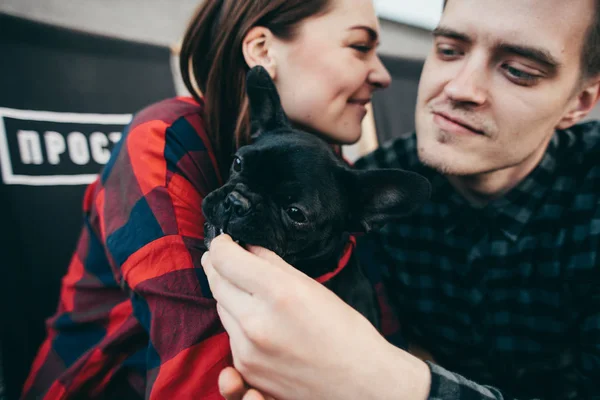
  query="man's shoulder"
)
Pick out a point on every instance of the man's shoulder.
point(587, 135)
point(400, 152)
point(576, 191)
point(579, 149)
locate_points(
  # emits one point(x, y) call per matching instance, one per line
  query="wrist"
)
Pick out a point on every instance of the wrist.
point(392, 373)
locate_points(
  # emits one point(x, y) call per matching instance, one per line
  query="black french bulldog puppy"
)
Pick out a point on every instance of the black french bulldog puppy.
point(290, 193)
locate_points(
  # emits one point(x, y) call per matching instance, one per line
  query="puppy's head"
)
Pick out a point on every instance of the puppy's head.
point(290, 193)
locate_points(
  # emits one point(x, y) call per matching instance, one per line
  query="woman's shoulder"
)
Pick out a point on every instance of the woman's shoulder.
point(178, 123)
point(166, 142)
point(168, 111)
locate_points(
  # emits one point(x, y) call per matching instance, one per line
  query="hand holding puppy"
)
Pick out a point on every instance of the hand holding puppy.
point(294, 339)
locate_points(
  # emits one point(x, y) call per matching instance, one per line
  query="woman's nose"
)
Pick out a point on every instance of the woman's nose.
point(379, 75)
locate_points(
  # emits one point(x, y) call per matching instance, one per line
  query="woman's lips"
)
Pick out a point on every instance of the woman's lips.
point(360, 104)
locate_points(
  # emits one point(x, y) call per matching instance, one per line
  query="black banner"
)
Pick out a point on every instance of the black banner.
point(49, 148)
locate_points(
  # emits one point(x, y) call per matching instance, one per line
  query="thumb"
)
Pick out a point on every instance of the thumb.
point(254, 394)
point(231, 384)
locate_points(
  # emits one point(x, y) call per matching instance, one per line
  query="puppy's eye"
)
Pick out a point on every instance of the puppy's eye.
point(296, 215)
point(237, 164)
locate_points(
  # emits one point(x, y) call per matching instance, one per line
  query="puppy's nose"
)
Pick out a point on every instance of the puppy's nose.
point(237, 203)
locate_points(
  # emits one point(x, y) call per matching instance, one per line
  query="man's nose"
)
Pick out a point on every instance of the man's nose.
point(469, 85)
point(237, 203)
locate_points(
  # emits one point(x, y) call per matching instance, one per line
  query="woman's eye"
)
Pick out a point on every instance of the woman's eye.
point(296, 215)
point(237, 164)
point(363, 48)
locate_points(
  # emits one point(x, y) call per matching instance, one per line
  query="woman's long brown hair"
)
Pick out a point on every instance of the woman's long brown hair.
point(213, 66)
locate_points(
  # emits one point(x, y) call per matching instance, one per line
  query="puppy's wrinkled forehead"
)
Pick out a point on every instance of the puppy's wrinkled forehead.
point(295, 154)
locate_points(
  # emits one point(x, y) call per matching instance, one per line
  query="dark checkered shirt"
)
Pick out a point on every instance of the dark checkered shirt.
point(506, 297)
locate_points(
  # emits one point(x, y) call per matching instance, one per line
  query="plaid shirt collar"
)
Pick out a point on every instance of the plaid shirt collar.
point(510, 213)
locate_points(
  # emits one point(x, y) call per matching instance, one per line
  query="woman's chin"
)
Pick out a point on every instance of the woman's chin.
point(347, 135)
point(351, 137)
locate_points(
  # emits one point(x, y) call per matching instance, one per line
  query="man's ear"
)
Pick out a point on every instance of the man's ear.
point(257, 48)
point(582, 104)
point(384, 195)
point(266, 112)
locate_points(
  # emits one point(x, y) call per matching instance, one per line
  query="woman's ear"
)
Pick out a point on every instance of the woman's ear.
point(257, 48)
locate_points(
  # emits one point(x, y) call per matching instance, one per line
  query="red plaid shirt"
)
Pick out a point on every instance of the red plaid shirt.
point(135, 317)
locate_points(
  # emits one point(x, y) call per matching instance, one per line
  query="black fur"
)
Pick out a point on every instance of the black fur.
point(285, 167)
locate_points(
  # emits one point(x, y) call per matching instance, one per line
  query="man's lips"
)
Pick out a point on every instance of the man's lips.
point(455, 124)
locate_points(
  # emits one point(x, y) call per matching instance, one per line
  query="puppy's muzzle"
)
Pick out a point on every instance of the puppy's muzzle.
point(237, 203)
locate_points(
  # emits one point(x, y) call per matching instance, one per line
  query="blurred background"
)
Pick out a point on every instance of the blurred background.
point(72, 73)
point(406, 34)
point(162, 22)
point(159, 22)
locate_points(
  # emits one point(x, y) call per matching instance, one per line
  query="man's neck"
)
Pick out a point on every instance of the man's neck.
point(482, 188)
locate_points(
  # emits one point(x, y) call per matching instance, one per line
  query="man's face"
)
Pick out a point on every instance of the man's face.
point(501, 77)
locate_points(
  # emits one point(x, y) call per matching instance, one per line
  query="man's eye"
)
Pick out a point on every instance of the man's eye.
point(296, 215)
point(521, 77)
point(446, 53)
point(237, 164)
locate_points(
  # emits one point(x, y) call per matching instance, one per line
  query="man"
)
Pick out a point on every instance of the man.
point(499, 274)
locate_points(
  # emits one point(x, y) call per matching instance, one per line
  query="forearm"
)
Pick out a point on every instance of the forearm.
point(395, 374)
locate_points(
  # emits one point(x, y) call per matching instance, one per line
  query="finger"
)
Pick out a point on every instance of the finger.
point(254, 394)
point(240, 267)
point(235, 300)
point(233, 328)
point(231, 384)
point(209, 270)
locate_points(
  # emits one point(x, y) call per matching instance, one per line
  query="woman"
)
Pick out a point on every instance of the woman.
point(135, 316)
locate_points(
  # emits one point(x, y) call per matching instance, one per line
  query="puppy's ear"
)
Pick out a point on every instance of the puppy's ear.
point(266, 112)
point(384, 195)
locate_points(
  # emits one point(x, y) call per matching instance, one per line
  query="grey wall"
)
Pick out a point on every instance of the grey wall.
point(161, 22)
point(154, 21)
point(404, 40)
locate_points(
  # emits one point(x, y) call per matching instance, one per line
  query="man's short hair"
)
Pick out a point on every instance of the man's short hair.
point(590, 56)
point(591, 49)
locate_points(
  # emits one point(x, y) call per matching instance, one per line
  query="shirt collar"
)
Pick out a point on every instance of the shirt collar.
point(510, 213)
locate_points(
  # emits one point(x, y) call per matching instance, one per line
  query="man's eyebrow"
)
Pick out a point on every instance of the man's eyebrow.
point(451, 33)
point(535, 54)
point(373, 35)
